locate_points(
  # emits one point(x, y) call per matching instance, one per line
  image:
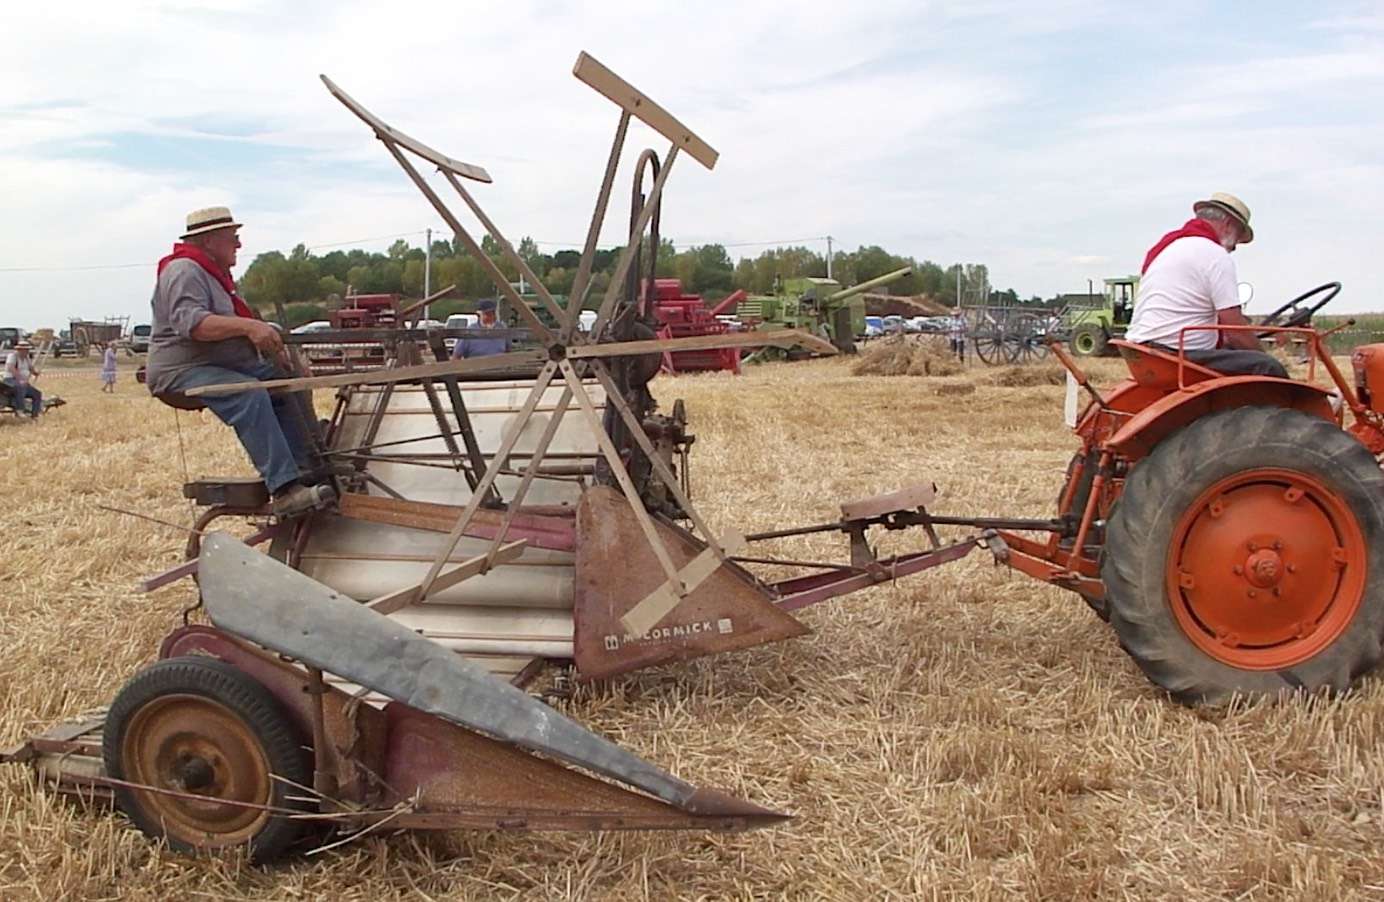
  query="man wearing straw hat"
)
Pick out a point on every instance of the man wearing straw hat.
point(204, 334)
point(1189, 280)
point(19, 369)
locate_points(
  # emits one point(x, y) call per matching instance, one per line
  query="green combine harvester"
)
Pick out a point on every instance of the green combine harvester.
point(819, 306)
point(1091, 326)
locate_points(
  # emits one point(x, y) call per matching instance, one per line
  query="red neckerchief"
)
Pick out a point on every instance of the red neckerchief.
point(1193, 228)
point(194, 253)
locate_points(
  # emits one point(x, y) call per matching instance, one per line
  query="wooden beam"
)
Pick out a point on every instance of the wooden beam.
point(402, 598)
point(544, 296)
point(782, 338)
point(649, 611)
point(513, 430)
point(540, 331)
point(375, 377)
point(593, 232)
point(403, 314)
point(413, 145)
point(633, 101)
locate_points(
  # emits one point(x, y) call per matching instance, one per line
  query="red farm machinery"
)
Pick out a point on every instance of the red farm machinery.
point(686, 316)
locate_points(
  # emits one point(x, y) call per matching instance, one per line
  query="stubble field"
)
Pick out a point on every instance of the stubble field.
point(963, 733)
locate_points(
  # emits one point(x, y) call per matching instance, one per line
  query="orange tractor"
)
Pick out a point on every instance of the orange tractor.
point(1230, 528)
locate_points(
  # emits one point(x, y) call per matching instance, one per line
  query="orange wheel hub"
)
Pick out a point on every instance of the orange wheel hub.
point(1266, 568)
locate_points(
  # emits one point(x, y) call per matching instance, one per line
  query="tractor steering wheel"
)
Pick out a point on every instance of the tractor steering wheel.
point(1296, 312)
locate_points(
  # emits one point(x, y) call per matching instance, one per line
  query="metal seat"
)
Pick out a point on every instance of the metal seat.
point(1158, 369)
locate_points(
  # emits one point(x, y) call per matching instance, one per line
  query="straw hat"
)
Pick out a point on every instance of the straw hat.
point(1231, 204)
point(23, 345)
point(209, 219)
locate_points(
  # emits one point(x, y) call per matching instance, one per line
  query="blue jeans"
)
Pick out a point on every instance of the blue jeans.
point(270, 427)
point(19, 392)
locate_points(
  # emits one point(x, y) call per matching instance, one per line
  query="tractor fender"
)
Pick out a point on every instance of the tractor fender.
point(1170, 413)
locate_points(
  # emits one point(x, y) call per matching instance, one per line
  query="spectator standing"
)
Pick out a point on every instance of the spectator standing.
point(108, 368)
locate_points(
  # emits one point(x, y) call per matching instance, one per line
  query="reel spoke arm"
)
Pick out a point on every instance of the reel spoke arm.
point(577, 301)
point(617, 466)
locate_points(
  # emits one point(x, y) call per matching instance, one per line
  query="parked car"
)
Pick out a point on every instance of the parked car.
point(63, 345)
point(874, 327)
point(317, 325)
point(9, 336)
point(139, 338)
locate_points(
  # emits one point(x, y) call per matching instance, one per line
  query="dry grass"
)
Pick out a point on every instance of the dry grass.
point(1036, 374)
point(966, 733)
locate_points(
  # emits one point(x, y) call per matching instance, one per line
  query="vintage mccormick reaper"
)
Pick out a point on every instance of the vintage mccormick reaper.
point(367, 669)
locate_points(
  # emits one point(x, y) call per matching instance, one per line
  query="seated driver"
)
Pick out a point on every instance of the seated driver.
point(1189, 280)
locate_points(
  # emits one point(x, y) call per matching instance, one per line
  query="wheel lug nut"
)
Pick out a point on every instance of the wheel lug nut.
point(1278, 545)
point(1238, 569)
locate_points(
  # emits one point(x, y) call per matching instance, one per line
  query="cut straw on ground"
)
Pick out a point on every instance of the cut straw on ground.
point(966, 733)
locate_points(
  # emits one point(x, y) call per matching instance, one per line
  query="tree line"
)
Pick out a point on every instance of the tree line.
point(309, 285)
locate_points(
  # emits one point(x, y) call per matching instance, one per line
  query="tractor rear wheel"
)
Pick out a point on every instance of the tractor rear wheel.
point(1246, 555)
point(196, 726)
point(1089, 340)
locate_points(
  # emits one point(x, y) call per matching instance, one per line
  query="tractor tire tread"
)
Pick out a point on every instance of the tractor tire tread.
point(1159, 487)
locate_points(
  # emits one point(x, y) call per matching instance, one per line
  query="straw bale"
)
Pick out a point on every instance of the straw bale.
point(964, 733)
point(904, 355)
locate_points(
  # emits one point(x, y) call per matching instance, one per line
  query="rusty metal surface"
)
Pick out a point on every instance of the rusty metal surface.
point(808, 590)
point(255, 597)
point(464, 779)
point(616, 570)
point(355, 732)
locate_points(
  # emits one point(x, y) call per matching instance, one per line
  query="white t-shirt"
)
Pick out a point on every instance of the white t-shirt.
point(1186, 284)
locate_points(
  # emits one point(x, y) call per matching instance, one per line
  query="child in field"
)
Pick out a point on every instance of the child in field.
point(108, 369)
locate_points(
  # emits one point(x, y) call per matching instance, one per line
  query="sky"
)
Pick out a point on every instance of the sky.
point(1052, 141)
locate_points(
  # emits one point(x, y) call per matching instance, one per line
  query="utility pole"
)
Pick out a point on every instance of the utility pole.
point(427, 269)
point(958, 287)
point(829, 239)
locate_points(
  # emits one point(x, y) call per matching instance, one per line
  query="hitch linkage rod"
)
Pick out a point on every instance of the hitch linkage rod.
point(905, 519)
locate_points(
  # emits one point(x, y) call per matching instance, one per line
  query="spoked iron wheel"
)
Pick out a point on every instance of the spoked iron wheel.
point(990, 344)
point(1030, 344)
point(1246, 555)
point(199, 727)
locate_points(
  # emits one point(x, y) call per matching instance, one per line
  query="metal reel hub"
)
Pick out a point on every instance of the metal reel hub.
point(1266, 569)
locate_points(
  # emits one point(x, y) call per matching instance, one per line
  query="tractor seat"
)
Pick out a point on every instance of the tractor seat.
point(1155, 368)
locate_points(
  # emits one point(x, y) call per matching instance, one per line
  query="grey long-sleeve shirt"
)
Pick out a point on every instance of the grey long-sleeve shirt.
point(185, 295)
